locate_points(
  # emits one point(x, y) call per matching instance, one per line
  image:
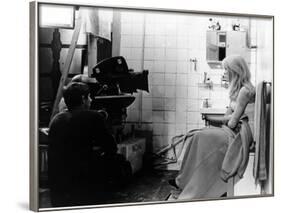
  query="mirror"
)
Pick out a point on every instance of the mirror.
point(220, 44)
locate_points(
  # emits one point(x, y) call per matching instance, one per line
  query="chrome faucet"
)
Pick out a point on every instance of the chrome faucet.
point(194, 60)
point(205, 77)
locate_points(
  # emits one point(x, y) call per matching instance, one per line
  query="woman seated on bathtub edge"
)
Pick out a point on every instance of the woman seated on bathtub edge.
point(208, 159)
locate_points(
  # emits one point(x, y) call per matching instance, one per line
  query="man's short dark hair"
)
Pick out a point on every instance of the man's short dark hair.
point(73, 94)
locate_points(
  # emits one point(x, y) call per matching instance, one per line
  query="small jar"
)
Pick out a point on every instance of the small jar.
point(205, 103)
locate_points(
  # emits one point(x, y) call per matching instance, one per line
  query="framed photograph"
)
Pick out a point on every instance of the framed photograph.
point(133, 106)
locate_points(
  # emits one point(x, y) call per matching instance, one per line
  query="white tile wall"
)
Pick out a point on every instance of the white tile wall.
point(204, 93)
point(159, 54)
point(183, 54)
point(181, 104)
point(132, 115)
point(147, 104)
point(172, 106)
point(137, 29)
point(182, 67)
point(158, 79)
point(192, 105)
point(147, 115)
point(150, 18)
point(149, 41)
point(170, 66)
point(216, 93)
point(125, 52)
point(192, 117)
point(191, 126)
point(160, 41)
point(126, 28)
point(193, 79)
point(181, 117)
point(136, 53)
point(253, 56)
point(180, 128)
point(126, 40)
point(182, 42)
point(169, 117)
point(127, 17)
point(158, 128)
point(170, 41)
point(181, 91)
point(134, 64)
point(220, 103)
point(181, 79)
point(192, 92)
point(183, 30)
point(137, 41)
point(158, 104)
point(147, 94)
point(159, 66)
point(158, 91)
point(148, 53)
point(158, 116)
point(149, 65)
point(171, 54)
point(149, 29)
point(159, 29)
point(169, 130)
point(170, 91)
point(170, 79)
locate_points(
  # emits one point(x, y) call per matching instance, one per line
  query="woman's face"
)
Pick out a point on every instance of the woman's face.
point(226, 75)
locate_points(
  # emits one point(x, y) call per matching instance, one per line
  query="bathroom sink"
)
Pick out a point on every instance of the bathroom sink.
point(212, 110)
point(113, 101)
point(212, 116)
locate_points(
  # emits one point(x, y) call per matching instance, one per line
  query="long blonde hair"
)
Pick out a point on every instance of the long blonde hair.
point(239, 75)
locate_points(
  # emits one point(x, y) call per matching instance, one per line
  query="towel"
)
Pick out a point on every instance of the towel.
point(97, 22)
point(260, 170)
point(237, 154)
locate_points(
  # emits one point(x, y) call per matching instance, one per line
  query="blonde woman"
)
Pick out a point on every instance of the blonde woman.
point(208, 160)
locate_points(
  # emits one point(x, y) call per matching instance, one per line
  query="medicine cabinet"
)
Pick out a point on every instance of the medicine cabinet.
point(224, 43)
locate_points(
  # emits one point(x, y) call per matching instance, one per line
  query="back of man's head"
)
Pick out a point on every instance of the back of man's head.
point(74, 93)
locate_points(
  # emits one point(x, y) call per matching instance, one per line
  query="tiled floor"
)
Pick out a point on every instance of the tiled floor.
point(146, 186)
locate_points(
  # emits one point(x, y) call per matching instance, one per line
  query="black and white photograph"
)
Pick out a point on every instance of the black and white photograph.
point(149, 106)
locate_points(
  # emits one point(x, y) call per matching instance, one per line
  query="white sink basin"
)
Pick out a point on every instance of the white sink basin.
point(212, 110)
point(212, 116)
